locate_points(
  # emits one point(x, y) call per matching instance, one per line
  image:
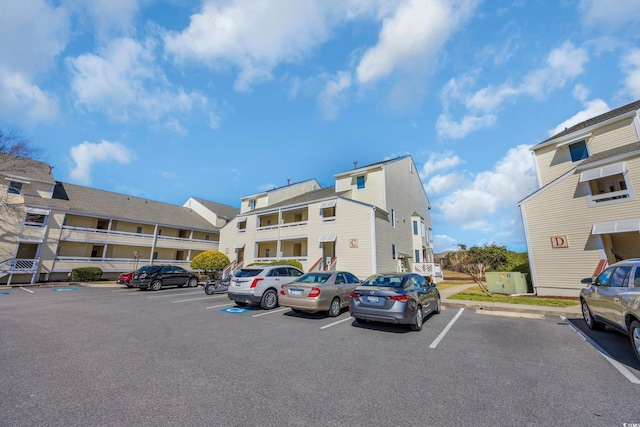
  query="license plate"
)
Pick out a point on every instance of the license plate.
point(295, 293)
point(373, 299)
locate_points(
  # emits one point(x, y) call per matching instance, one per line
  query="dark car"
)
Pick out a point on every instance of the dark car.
point(125, 279)
point(155, 277)
point(401, 298)
point(613, 299)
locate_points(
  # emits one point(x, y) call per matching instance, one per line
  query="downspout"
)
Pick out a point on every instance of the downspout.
point(374, 243)
point(153, 245)
point(278, 243)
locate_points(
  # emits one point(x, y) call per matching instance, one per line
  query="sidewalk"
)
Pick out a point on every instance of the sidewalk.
point(573, 311)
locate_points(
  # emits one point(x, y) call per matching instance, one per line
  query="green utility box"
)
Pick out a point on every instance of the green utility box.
point(510, 282)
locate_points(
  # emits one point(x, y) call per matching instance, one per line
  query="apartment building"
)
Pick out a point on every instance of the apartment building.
point(585, 214)
point(48, 228)
point(375, 218)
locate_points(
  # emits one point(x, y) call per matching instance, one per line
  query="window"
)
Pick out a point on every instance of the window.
point(206, 237)
point(415, 228)
point(393, 251)
point(35, 219)
point(159, 232)
point(139, 230)
point(417, 255)
point(242, 224)
point(14, 187)
point(393, 218)
point(608, 184)
point(155, 255)
point(340, 279)
point(619, 277)
point(360, 182)
point(578, 151)
point(266, 253)
point(252, 204)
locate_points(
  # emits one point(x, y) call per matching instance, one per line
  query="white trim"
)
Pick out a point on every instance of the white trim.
point(603, 171)
point(577, 139)
point(12, 179)
point(238, 246)
point(620, 226)
point(37, 211)
point(240, 220)
point(374, 245)
point(325, 238)
point(327, 204)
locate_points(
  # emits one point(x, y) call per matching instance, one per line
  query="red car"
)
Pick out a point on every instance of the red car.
point(125, 279)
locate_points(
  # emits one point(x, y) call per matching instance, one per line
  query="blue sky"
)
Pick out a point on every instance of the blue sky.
point(221, 99)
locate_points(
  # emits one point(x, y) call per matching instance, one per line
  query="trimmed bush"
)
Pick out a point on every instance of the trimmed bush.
point(86, 274)
point(291, 262)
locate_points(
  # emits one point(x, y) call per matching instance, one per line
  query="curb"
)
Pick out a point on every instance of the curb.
point(517, 308)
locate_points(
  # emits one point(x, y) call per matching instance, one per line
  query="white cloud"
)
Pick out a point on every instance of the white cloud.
point(591, 109)
point(610, 16)
point(124, 81)
point(108, 17)
point(631, 67)
point(332, 96)
point(442, 242)
point(254, 36)
point(492, 194)
point(87, 154)
point(563, 64)
point(439, 161)
point(23, 102)
point(443, 183)
point(410, 39)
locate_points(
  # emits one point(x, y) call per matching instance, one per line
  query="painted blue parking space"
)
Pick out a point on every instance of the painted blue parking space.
point(4, 293)
point(64, 289)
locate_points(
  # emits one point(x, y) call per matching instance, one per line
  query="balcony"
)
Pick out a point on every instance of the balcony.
point(428, 269)
point(67, 263)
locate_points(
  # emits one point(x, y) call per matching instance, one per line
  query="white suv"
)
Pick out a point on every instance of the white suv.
point(260, 284)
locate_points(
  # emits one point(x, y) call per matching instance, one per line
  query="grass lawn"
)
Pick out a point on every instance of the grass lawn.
point(476, 294)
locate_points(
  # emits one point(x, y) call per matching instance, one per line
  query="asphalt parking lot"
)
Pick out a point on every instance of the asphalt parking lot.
point(78, 356)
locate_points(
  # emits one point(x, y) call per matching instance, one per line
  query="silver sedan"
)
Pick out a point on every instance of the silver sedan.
point(319, 291)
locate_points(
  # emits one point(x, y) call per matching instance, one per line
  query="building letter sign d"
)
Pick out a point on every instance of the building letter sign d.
point(559, 242)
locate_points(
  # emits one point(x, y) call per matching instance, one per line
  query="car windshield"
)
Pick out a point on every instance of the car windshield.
point(314, 278)
point(248, 272)
point(386, 281)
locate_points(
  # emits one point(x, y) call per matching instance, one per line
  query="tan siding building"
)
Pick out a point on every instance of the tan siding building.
point(364, 224)
point(585, 214)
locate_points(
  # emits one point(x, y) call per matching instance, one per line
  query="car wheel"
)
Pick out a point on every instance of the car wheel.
point(210, 289)
point(591, 322)
point(269, 300)
point(129, 286)
point(438, 308)
point(634, 334)
point(417, 320)
point(155, 285)
point(334, 308)
point(193, 282)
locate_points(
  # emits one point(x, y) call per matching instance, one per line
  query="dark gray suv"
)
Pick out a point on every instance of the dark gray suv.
point(155, 277)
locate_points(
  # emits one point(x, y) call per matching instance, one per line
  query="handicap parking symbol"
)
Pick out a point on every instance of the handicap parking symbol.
point(4, 293)
point(235, 310)
point(64, 289)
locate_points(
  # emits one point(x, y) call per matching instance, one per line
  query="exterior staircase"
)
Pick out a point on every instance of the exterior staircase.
point(13, 266)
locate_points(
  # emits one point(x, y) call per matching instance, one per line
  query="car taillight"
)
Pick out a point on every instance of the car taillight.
point(353, 295)
point(401, 298)
point(282, 290)
point(254, 283)
point(314, 292)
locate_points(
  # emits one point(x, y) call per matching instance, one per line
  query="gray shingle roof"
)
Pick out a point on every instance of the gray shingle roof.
point(598, 119)
point(224, 211)
point(25, 169)
point(614, 152)
point(309, 197)
point(99, 203)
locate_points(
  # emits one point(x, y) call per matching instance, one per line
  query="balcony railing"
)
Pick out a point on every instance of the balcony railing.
point(283, 225)
point(135, 235)
point(428, 269)
point(19, 265)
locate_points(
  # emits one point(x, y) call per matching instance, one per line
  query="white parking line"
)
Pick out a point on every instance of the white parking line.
point(435, 342)
point(270, 312)
point(619, 366)
point(335, 323)
point(167, 294)
point(195, 299)
point(25, 289)
point(221, 305)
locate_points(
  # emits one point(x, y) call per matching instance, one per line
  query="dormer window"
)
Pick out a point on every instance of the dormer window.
point(360, 182)
point(252, 204)
point(578, 151)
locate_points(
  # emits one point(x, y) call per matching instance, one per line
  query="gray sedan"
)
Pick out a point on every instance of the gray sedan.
point(402, 298)
point(322, 291)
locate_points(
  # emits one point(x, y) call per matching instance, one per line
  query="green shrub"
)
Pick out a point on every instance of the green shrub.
point(86, 274)
point(291, 262)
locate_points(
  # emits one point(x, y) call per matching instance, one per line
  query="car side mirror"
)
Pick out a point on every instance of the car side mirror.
point(587, 281)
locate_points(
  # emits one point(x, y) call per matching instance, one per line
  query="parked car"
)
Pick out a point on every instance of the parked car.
point(260, 284)
point(401, 298)
point(319, 291)
point(125, 279)
point(613, 299)
point(155, 277)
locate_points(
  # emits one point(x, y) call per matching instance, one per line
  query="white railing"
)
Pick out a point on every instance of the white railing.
point(19, 265)
point(608, 197)
point(130, 234)
point(428, 269)
point(301, 259)
point(132, 262)
point(283, 225)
